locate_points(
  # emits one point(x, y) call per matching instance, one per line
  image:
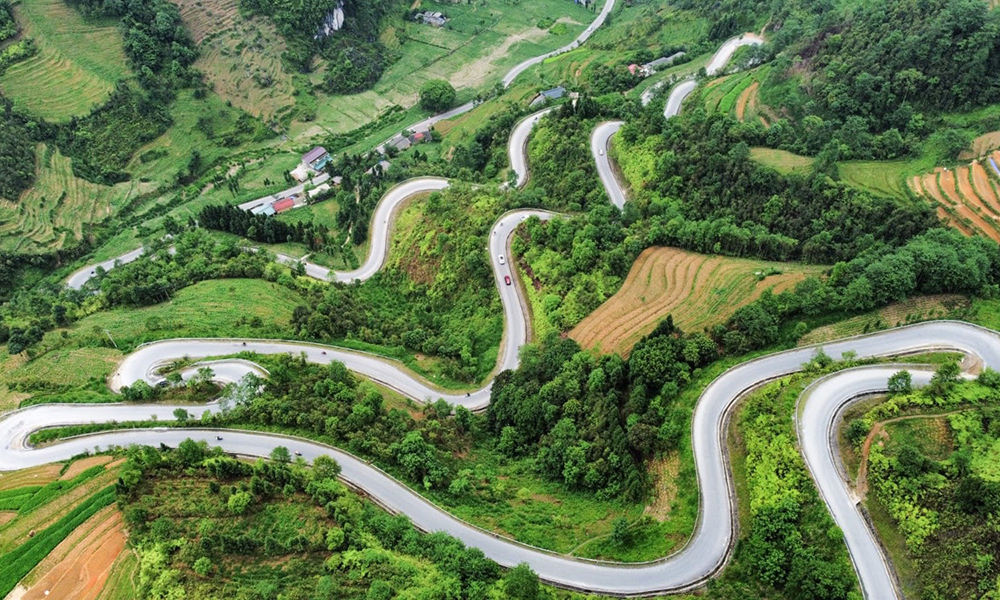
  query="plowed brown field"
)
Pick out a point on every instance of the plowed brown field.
point(982, 183)
point(78, 567)
point(982, 145)
point(697, 289)
point(968, 205)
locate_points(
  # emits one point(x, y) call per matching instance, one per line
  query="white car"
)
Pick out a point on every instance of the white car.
point(503, 260)
point(601, 151)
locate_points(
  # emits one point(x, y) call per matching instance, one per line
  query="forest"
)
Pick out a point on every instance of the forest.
point(197, 515)
point(939, 492)
point(867, 77)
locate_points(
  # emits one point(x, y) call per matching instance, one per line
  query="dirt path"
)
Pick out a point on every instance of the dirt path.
point(79, 566)
point(747, 96)
point(861, 485)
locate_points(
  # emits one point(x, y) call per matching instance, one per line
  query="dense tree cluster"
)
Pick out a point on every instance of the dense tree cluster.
point(792, 545)
point(939, 261)
point(156, 43)
point(356, 57)
point(330, 403)
point(17, 152)
point(865, 75)
point(592, 422)
point(299, 531)
point(438, 298)
point(942, 497)
point(485, 155)
point(437, 95)
point(260, 228)
point(103, 142)
point(704, 162)
point(8, 26)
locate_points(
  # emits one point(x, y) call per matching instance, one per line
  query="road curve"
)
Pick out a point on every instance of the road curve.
point(517, 146)
point(709, 547)
point(600, 143)
point(511, 75)
point(706, 551)
point(820, 408)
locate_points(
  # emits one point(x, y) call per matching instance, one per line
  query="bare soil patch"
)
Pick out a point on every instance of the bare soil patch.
point(81, 465)
point(982, 145)
point(7, 515)
point(748, 97)
point(33, 476)
point(79, 566)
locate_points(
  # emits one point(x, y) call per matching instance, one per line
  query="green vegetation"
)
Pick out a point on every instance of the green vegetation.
point(207, 525)
point(19, 561)
point(437, 95)
point(933, 482)
point(77, 64)
point(789, 546)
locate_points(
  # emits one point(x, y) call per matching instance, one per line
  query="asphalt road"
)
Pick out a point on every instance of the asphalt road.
point(517, 146)
point(698, 560)
point(511, 75)
point(600, 141)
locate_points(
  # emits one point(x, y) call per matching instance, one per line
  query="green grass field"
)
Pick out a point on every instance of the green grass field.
point(473, 51)
point(879, 178)
point(781, 161)
point(77, 64)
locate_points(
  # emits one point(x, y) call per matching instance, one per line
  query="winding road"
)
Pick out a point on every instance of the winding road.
point(711, 544)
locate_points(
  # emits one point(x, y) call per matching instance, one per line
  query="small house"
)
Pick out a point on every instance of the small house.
point(553, 94)
point(316, 158)
point(282, 205)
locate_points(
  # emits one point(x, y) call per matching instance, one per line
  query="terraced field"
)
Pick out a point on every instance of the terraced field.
point(968, 197)
point(698, 290)
point(737, 95)
point(59, 207)
point(34, 500)
point(77, 64)
point(241, 58)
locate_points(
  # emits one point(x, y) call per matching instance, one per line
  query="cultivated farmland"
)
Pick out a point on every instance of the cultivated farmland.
point(697, 289)
point(241, 58)
point(77, 64)
point(968, 197)
point(59, 207)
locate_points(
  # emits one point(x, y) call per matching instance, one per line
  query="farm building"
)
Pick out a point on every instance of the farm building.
point(553, 94)
point(420, 137)
point(319, 190)
point(264, 209)
point(664, 61)
point(432, 18)
point(316, 158)
point(300, 173)
point(284, 204)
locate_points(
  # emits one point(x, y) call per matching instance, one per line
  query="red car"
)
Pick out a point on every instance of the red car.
point(506, 279)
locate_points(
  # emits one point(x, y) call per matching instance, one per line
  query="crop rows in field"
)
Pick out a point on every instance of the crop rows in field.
point(77, 64)
point(967, 197)
point(698, 290)
point(58, 207)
